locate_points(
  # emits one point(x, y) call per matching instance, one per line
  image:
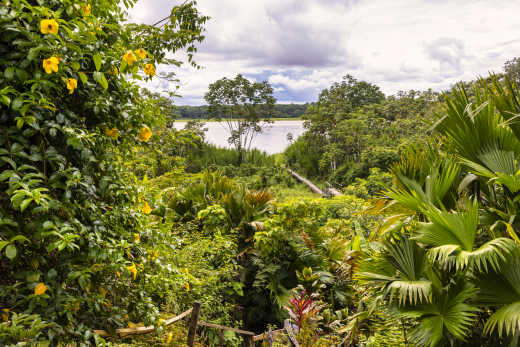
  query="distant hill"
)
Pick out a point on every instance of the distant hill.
point(280, 111)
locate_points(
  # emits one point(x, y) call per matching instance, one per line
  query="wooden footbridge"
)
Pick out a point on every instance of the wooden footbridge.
point(328, 192)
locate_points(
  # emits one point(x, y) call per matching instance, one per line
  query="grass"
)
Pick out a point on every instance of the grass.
point(283, 193)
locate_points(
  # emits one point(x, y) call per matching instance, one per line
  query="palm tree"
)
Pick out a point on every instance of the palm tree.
point(451, 254)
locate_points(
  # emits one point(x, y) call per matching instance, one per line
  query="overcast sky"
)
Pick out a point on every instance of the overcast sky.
point(302, 46)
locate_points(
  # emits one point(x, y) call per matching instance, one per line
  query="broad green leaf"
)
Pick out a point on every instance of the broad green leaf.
point(10, 251)
point(17, 103)
point(97, 61)
point(83, 77)
point(99, 77)
point(9, 73)
point(3, 244)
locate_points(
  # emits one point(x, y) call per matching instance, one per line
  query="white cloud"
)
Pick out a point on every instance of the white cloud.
point(302, 46)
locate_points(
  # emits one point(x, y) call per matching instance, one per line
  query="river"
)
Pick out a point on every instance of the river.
point(271, 140)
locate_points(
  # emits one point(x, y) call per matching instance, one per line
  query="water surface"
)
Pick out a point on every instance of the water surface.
point(272, 140)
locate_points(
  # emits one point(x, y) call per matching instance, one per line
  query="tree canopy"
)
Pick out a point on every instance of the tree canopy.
point(245, 107)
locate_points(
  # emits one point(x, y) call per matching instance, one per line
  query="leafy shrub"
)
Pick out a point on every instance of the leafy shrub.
point(72, 228)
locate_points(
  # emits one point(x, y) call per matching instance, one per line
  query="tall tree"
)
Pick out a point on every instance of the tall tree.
point(245, 107)
point(512, 68)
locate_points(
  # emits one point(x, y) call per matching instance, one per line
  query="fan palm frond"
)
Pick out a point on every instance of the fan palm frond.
point(401, 273)
point(452, 238)
point(449, 313)
point(501, 289)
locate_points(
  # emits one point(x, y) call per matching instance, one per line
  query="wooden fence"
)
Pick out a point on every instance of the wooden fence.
point(250, 338)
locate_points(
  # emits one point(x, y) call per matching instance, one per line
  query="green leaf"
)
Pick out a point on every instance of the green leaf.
point(19, 238)
point(25, 203)
point(33, 53)
point(99, 77)
point(3, 244)
point(75, 65)
point(97, 61)
point(6, 174)
point(33, 277)
point(10, 251)
point(9, 73)
point(17, 103)
point(82, 77)
point(5, 100)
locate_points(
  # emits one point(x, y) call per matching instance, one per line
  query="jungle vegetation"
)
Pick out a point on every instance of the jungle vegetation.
point(111, 218)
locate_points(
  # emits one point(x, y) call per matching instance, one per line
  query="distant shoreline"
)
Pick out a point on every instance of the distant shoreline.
point(178, 120)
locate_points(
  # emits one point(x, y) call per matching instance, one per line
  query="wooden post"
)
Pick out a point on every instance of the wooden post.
point(249, 341)
point(193, 323)
point(221, 337)
point(288, 328)
point(270, 338)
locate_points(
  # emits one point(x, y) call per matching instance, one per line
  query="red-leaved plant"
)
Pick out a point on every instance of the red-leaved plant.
point(304, 308)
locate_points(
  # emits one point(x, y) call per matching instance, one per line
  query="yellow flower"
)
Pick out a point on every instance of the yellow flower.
point(129, 58)
point(186, 271)
point(141, 53)
point(51, 64)
point(113, 133)
point(160, 321)
point(149, 69)
point(144, 134)
point(5, 314)
point(155, 254)
point(132, 269)
point(103, 292)
point(118, 274)
point(187, 286)
point(72, 84)
point(99, 29)
point(49, 26)
point(146, 208)
point(86, 10)
point(137, 238)
point(131, 325)
point(169, 338)
point(115, 71)
point(40, 288)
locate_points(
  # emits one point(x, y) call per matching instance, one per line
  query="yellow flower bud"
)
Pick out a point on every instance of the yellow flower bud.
point(40, 288)
point(146, 208)
point(129, 58)
point(141, 53)
point(144, 134)
point(132, 269)
point(72, 84)
point(113, 133)
point(86, 10)
point(149, 69)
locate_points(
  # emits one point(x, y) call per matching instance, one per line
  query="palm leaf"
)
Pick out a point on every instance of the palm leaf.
point(506, 319)
point(450, 312)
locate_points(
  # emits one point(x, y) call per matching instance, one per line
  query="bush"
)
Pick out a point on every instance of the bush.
point(73, 234)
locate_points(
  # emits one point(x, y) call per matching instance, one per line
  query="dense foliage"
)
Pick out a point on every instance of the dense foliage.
point(109, 217)
point(447, 259)
point(74, 230)
point(353, 128)
point(244, 107)
point(279, 111)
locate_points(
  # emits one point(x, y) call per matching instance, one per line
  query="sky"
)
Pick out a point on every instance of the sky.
point(303, 46)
